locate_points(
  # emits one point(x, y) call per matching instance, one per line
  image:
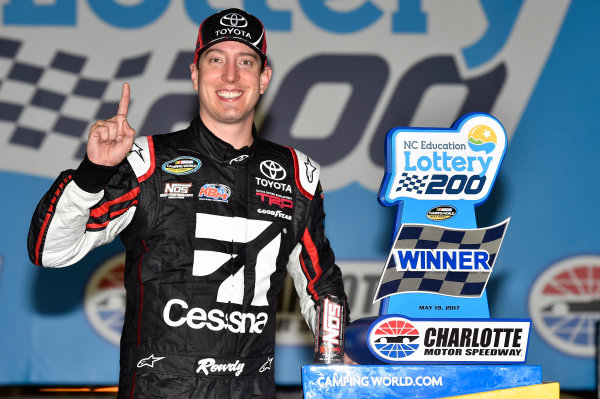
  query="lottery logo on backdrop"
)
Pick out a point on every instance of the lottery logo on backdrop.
point(104, 301)
point(460, 163)
point(564, 304)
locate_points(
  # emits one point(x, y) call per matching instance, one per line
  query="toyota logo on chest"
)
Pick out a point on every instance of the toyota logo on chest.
point(272, 170)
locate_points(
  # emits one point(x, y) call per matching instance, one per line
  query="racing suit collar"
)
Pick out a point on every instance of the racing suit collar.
point(220, 150)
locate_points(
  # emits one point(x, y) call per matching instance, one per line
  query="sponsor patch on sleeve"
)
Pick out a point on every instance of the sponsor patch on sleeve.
point(307, 173)
point(141, 157)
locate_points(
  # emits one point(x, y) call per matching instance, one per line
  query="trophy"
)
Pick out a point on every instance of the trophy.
point(433, 336)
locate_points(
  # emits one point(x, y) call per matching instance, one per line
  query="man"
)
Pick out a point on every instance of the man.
point(212, 218)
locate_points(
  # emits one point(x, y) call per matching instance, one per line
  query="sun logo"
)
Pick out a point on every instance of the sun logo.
point(482, 138)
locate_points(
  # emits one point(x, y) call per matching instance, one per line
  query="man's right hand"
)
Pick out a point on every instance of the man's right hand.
point(110, 140)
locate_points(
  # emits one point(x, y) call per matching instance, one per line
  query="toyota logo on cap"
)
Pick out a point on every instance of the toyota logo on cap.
point(232, 24)
point(234, 20)
point(272, 170)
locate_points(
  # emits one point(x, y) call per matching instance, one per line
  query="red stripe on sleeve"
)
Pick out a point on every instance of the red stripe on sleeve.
point(112, 215)
point(104, 208)
point(38, 243)
point(141, 294)
point(140, 314)
point(313, 254)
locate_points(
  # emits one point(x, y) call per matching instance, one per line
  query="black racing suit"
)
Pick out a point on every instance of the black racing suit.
point(210, 234)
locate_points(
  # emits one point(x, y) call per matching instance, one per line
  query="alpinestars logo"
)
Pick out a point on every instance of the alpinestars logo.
point(149, 361)
point(266, 366)
point(310, 170)
point(136, 149)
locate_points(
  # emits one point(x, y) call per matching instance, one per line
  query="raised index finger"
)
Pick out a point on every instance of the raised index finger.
point(124, 102)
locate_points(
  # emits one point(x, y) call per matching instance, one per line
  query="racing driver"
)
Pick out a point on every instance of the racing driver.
point(212, 218)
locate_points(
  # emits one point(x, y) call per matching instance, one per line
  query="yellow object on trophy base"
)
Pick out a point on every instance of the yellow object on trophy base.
point(549, 390)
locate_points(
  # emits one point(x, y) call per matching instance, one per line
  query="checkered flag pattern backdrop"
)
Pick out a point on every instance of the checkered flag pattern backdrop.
point(412, 183)
point(443, 282)
point(55, 97)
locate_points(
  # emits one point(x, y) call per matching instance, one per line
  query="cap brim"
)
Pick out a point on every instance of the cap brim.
point(199, 51)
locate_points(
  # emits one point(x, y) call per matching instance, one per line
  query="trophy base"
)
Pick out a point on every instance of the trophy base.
point(422, 381)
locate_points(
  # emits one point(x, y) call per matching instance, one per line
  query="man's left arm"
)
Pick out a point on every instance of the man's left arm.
point(312, 263)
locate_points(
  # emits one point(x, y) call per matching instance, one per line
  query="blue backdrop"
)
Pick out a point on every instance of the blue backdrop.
point(355, 71)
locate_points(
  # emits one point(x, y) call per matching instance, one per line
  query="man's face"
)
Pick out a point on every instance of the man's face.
point(229, 83)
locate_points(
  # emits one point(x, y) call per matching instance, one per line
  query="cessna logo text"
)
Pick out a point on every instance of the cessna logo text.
point(214, 319)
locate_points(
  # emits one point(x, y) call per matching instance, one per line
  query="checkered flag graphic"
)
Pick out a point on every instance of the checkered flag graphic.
point(54, 98)
point(412, 183)
point(458, 283)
